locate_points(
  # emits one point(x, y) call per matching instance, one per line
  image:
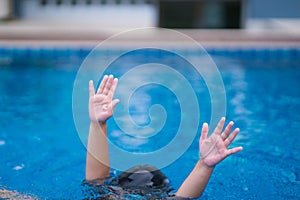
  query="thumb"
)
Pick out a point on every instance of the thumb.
point(115, 102)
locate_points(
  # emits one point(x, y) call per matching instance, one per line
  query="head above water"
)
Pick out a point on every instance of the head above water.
point(143, 176)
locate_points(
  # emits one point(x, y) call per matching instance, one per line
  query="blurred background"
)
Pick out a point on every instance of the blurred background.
point(99, 19)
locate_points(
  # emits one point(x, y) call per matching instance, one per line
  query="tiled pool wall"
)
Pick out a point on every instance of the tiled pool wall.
point(278, 54)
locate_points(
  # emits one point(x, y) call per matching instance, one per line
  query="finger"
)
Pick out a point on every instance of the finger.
point(91, 88)
point(204, 132)
point(234, 150)
point(112, 90)
point(115, 102)
point(228, 141)
point(102, 84)
point(220, 126)
point(108, 84)
point(227, 130)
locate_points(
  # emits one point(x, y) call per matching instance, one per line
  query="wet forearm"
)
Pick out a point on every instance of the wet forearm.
point(195, 183)
point(97, 160)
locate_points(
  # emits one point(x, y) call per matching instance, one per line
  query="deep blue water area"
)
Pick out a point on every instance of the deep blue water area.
point(41, 153)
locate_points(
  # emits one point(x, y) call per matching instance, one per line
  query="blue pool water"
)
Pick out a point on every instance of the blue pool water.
point(42, 154)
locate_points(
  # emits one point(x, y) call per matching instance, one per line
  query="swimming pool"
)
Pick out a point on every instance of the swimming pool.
point(42, 155)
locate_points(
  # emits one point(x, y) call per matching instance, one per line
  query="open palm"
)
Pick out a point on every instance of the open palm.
point(213, 149)
point(101, 104)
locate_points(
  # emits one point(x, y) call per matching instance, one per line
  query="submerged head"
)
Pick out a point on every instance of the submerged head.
point(143, 176)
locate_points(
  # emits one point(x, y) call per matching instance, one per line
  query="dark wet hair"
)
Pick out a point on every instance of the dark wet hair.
point(143, 176)
point(142, 182)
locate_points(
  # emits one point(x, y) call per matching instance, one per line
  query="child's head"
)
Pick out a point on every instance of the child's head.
point(143, 175)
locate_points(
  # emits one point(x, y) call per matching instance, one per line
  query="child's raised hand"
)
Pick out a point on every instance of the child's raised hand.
point(101, 104)
point(213, 149)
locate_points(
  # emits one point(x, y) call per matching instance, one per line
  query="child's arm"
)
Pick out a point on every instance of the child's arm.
point(101, 108)
point(213, 150)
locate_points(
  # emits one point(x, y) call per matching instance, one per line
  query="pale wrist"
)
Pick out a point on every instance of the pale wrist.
point(102, 125)
point(98, 122)
point(201, 164)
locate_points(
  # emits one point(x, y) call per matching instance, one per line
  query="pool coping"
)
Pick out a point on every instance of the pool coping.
point(124, 44)
point(38, 33)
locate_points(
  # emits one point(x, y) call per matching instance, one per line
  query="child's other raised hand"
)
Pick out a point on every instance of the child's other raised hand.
point(213, 149)
point(101, 104)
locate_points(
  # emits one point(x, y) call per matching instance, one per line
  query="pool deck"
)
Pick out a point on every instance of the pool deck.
point(35, 33)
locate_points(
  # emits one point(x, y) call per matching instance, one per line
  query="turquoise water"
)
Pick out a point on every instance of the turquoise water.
point(42, 155)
